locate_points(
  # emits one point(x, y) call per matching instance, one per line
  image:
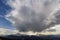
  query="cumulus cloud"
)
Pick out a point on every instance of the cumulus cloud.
point(33, 15)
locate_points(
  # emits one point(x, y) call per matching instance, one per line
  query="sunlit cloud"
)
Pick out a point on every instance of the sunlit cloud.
point(4, 31)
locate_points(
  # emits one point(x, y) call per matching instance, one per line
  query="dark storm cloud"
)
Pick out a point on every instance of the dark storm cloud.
point(33, 15)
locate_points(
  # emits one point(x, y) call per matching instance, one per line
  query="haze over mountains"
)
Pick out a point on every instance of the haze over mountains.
point(4, 31)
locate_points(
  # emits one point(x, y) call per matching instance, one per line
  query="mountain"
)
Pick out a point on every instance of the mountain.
point(27, 37)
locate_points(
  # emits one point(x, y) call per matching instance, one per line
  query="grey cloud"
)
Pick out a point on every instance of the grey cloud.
point(34, 17)
point(57, 17)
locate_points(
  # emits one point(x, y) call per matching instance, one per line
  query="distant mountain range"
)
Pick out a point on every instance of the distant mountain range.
point(27, 37)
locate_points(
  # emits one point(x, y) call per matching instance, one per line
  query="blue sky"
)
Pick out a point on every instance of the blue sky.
point(3, 11)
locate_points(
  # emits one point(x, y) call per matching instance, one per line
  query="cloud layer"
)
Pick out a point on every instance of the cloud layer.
point(4, 31)
point(33, 15)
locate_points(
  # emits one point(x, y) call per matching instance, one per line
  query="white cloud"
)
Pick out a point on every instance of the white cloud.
point(28, 15)
point(57, 27)
point(4, 31)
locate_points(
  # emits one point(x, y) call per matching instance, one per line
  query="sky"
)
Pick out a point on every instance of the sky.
point(29, 15)
point(3, 11)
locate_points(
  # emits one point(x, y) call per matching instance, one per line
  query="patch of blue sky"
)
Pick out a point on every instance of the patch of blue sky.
point(5, 23)
point(4, 8)
point(3, 11)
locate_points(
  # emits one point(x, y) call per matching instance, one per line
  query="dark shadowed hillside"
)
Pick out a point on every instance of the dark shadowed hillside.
point(26, 37)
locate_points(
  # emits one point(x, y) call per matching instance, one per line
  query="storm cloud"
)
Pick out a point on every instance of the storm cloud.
point(33, 15)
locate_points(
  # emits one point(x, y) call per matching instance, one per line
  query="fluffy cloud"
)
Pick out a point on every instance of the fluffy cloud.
point(33, 15)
